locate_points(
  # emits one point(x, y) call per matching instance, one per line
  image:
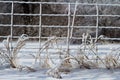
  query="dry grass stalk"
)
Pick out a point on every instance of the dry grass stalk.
point(10, 55)
point(73, 20)
point(45, 62)
point(111, 62)
point(55, 73)
point(60, 67)
point(25, 68)
point(88, 46)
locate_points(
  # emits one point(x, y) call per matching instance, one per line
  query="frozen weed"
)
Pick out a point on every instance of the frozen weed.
point(45, 59)
point(112, 59)
point(10, 55)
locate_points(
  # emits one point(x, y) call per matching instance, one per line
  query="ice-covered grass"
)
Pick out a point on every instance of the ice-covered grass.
point(54, 60)
point(74, 74)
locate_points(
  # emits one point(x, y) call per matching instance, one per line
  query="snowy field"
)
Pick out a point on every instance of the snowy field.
point(75, 74)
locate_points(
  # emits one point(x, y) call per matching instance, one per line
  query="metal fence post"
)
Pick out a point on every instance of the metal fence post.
point(97, 20)
point(40, 26)
point(68, 33)
point(11, 31)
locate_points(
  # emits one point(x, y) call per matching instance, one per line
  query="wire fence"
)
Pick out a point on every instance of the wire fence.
point(70, 17)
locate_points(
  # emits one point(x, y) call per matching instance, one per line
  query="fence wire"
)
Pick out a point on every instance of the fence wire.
point(68, 26)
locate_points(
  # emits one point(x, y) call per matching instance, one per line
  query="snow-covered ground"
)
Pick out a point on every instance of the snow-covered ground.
point(75, 74)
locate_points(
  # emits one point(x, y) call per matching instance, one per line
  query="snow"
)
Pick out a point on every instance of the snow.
point(75, 74)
